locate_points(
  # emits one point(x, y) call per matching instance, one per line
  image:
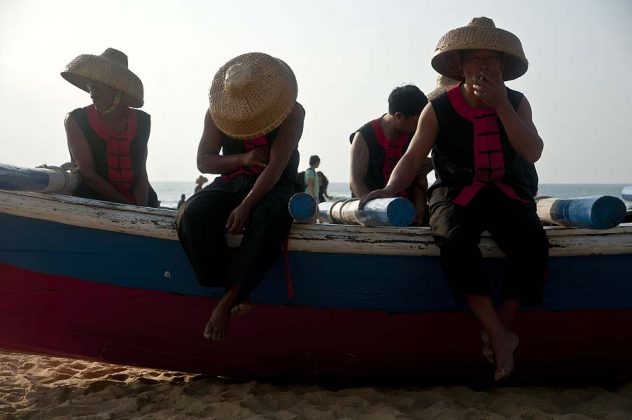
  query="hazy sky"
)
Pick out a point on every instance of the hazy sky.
point(347, 56)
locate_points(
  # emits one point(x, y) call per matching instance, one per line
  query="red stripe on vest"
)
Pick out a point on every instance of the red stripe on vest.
point(393, 150)
point(249, 145)
point(120, 171)
point(489, 163)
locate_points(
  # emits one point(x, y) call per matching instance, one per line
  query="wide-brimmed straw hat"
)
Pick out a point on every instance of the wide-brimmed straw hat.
point(109, 68)
point(479, 34)
point(443, 85)
point(251, 95)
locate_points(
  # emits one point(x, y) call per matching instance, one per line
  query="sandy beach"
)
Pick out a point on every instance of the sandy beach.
point(40, 387)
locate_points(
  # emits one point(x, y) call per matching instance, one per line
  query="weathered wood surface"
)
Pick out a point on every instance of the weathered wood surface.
point(14, 178)
point(327, 238)
point(144, 221)
point(594, 212)
point(395, 211)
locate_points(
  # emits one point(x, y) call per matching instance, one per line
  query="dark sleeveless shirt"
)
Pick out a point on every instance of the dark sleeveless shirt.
point(117, 156)
point(383, 153)
point(453, 154)
point(231, 146)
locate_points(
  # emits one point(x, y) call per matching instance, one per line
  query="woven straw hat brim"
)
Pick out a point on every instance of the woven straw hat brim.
point(447, 61)
point(258, 106)
point(443, 85)
point(88, 67)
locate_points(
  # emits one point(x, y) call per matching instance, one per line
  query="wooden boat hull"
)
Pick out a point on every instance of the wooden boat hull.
point(359, 311)
point(162, 330)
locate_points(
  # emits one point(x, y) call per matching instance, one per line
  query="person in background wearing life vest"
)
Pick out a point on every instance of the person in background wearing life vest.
point(255, 121)
point(476, 130)
point(379, 144)
point(312, 186)
point(108, 139)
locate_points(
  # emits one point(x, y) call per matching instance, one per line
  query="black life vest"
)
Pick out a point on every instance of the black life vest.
point(231, 146)
point(472, 150)
point(117, 156)
point(383, 153)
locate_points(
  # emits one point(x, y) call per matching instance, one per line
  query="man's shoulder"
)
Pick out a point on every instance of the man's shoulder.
point(440, 101)
point(513, 91)
point(300, 107)
point(515, 97)
point(144, 119)
point(78, 112)
point(366, 131)
point(142, 114)
point(79, 116)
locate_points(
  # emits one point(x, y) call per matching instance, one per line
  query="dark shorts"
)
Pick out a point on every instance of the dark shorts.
point(201, 225)
point(514, 226)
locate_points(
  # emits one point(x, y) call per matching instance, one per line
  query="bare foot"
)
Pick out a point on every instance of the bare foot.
point(487, 347)
point(240, 309)
point(503, 347)
point(217, 325)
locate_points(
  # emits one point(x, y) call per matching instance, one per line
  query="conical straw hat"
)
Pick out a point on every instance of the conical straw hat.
point(109, 68)
point(479, 34)
point(251, 95)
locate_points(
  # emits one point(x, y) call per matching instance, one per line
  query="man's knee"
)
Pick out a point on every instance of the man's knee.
point(200, 215)
point(531, 244)
point(270, 214)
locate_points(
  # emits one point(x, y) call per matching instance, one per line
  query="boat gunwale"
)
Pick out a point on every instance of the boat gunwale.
point(329, 238)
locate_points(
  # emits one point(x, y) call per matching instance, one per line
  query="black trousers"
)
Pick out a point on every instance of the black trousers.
point(514, 226)
point(201, 225)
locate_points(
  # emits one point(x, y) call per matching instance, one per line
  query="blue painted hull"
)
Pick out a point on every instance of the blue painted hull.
point(388, 283)
point(125, 298)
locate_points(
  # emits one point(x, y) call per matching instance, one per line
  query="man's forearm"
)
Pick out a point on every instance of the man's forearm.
point(219, 164)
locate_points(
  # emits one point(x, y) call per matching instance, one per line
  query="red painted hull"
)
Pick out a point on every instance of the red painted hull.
point(55, 315)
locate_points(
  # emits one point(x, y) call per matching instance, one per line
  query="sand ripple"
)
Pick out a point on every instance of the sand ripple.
point(38, 387)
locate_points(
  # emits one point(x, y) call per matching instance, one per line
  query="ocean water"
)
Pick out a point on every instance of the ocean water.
point(169, 192)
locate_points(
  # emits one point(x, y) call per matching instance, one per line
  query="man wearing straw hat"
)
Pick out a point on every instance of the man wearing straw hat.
point(108, 139)
point(255, 121)
point(476, 130)
point(528, 170)
point(377, 146)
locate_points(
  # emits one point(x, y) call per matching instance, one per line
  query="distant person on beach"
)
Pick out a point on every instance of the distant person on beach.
point(312, 186)
point(182, 200)
point(379, 144)
point(199, 183)
point(108, 139)
point(323, 184)
point(476, 130)
point(255, 121)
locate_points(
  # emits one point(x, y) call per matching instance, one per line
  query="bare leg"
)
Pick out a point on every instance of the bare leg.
point(487, 347)
point(217, 325)
point(506, 313)
point(503, 341)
